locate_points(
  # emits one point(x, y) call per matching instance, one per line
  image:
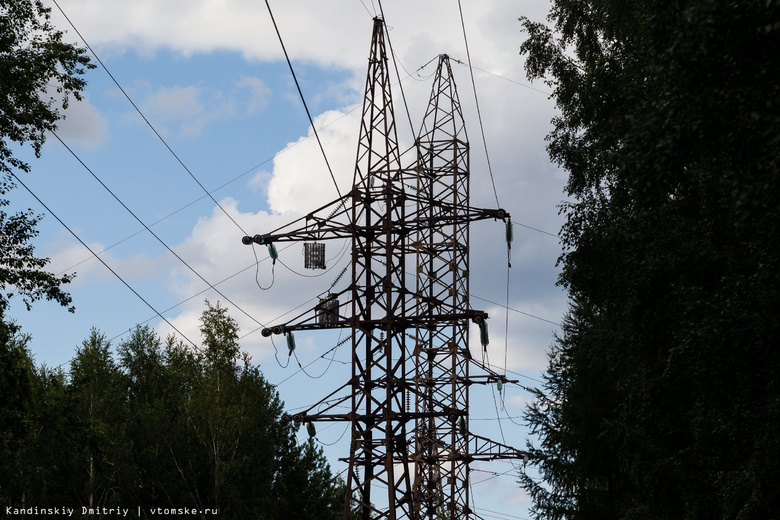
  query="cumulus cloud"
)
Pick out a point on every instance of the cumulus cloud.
point(258, 94)
point(82, 122)
point(71, 257)
point(185, 110)
point(301, 181)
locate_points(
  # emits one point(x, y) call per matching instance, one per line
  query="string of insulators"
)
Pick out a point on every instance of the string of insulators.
point(311, 430)
point(339, 277)
point(336, 210)
point(462, 427)
point(499, 385)
point(509, 238)
point(344, 340)
point(290, 343)
point(273, 252)
point(483, 334)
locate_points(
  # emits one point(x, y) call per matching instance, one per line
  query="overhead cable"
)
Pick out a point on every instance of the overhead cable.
point(395, 66)
point(303, 100)
point(515, 310)
point(476, 100)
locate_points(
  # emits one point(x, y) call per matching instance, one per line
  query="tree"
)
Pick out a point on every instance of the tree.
point(16, 398)
point(163, 426)
point(206, 430)
point(101, 455)
point(38, 73)
point(661, 400)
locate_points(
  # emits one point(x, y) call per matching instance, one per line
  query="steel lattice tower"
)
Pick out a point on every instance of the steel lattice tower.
point(407, 308)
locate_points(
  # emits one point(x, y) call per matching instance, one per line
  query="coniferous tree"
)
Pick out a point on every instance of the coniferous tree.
point(662, 399)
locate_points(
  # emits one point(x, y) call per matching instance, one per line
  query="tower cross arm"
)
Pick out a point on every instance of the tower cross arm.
point(483, 449)
point(328, 222)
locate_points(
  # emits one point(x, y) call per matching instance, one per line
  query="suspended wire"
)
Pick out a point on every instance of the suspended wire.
point(526, 377)
point(276, 354)
point(337, 440)
point(162, 140)
point(196, 273)
point(334, 349)
point(368, 10)
point(303, 100)
point(515, 310)
point(188, 299)
point(495, 475)
point(417, 72)
point(395, 66)
point(196, 295)
point(476, 100)
point(257, 275)
point(503, 77)
point(535, 229)
point(503, 516)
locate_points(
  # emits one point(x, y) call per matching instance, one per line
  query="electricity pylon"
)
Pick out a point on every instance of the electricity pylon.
point(407, 306)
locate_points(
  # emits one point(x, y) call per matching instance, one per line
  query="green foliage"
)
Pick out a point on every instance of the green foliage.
point(38, 73)
point(662, 398)
point(162, 426)
point(35, 64)
point(16, 400)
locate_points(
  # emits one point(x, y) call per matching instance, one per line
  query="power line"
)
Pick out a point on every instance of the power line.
point(367, 9)
point(476, 100)
point(303, 100)
point(503, 515)
point(515, 310)
point(234, 179)
point(395, 66)
point(535, 229)
point(525, 85)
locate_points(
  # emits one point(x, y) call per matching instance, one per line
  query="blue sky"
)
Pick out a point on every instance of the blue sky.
point(211, 79)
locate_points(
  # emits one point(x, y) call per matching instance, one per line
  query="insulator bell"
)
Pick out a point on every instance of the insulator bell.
point(483, 334)
point(290, 343)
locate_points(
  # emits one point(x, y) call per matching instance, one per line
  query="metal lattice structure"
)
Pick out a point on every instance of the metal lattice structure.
point(407, 307)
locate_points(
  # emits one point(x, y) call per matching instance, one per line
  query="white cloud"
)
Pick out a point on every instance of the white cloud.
point(72, 257)
point(301, 181)
point(170, 103)
point(82, 123)
point(258, 93)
